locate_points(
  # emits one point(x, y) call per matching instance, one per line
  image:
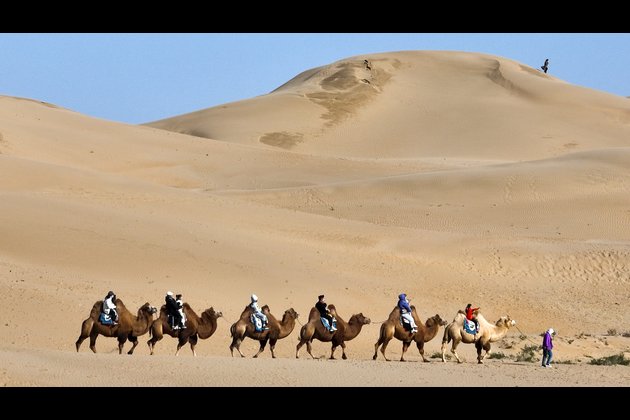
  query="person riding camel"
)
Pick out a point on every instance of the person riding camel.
point(257, 312)
point(321, 306)
point(172, 309)
point(180, 310)
point(109, 307)
point(405, 312)
point(470, 315)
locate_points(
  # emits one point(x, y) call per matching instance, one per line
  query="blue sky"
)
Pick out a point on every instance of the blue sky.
point(137, 78)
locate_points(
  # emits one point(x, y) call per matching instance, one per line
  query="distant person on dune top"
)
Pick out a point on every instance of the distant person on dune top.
point(545, 66)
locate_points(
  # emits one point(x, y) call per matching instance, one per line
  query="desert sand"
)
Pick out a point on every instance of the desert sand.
point(452, 177)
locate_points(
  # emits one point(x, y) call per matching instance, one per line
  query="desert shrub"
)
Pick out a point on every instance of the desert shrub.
point(498, 355)
point(612, 331)
point(617, 359)
point(528, 354)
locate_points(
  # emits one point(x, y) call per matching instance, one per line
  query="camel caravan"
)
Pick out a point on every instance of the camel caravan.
point(177, 319)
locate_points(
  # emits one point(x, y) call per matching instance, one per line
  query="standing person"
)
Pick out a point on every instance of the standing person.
point(180, 310)
point(405, 312)
point(257, 312)
point(109, 307)
point(547, 345)
point(321, 306)
point(545, 66)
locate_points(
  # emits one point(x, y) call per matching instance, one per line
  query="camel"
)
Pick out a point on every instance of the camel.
point(196, 327)
point(392, 328)
point(314, 329)
point(488, 333)
point(277, 330)
point(129, 327)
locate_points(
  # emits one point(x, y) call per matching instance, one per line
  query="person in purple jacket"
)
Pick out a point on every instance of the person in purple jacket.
point(547, 345)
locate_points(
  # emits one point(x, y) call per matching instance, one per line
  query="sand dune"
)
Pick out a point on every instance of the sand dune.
point(454, 177)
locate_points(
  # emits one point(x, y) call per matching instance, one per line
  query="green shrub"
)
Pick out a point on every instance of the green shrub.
point(617, 359)
point(498, 355)
point(528, 354)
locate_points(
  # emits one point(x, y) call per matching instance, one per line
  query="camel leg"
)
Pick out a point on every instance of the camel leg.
point(384, 347)
point(405, 347)
point(309, 348)
point(297, 349)
point(193, 342)
point(86, 327)
point(134, 341)
point(480, 347)
point(93, 336)
point(421, 350)
point(455, 343)
point(236, 344)
point(443, 349)
point(263, 343)
point(180, 345)
point(332, 351)
point(272, 346)
point(121, 343)
point(378, 343)
point(343, 351)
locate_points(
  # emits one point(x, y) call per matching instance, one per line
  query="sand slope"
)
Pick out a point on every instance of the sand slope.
point(454, 177)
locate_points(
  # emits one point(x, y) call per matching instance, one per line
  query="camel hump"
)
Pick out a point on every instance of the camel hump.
point(395, 313)
point(246, 312)
point(313, 314)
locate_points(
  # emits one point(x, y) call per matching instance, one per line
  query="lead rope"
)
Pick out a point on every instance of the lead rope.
point(523, 334)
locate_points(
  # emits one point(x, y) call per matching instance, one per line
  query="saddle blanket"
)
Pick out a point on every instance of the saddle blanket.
point(469, 327)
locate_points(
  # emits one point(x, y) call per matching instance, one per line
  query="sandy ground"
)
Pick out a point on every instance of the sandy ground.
point(453, 177)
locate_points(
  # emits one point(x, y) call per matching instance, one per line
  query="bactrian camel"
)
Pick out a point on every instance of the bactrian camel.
point(488, 333)
point(277, 330)
point(129, 327)
point(196, 327)
point(393, 329)
point(314, 329)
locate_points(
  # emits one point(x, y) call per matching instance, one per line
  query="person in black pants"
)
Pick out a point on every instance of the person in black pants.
point(172, 308)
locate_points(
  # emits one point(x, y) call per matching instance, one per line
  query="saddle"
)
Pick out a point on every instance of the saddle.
point(257, 322)
point(327, 325)
point(470, 327)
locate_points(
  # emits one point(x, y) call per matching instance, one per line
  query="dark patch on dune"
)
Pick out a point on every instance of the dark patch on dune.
point(349, 85)
point(282, 139)
point(496, 76)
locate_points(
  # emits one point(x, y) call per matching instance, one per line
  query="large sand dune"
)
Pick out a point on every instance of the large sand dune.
point(454, 177)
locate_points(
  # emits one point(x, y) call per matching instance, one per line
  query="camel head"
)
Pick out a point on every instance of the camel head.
point(436, 320)
point(148, 308)
point(506, 322)
point(211, 313)
point(290, 313)
point(361, 319)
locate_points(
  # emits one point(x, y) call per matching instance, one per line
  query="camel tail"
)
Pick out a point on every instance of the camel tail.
point(232, 330)
point(447, 337)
